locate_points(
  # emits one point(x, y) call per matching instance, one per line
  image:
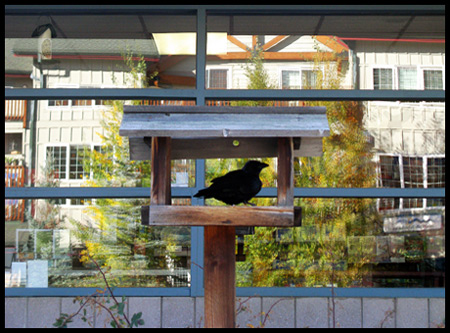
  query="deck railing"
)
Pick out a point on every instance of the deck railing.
point(14, 208)
point(16, 110)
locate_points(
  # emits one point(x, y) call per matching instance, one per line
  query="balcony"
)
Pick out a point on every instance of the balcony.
point(16, 110)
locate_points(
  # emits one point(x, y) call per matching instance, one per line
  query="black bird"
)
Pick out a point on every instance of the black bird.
point(236, 186)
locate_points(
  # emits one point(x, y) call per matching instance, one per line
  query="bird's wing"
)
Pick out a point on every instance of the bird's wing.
point(234, 181)
point(232, 176)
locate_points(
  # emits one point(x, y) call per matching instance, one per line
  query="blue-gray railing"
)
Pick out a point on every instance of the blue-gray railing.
point(200, 94)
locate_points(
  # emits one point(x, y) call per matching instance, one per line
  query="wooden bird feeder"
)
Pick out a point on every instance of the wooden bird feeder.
point(163, 133)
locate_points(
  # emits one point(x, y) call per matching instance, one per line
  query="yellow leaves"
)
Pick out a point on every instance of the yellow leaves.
point(91, 247)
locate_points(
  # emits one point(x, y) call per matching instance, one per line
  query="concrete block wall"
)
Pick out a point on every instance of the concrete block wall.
point(188, 312)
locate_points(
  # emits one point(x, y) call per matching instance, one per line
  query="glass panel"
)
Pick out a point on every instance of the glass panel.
point(82, 147)
point(98, 51)
point(346, 243)
point(55, 246)
point(277, 47)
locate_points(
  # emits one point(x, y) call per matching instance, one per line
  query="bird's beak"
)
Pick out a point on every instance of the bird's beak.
point(264, 165)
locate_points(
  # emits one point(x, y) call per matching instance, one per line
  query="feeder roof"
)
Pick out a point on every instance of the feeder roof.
point(222, 122)
point(224, 132)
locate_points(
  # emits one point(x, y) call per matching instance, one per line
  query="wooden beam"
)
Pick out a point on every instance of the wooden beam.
point(333, 43)
point(238, 216)
point(237, 42)
point(285, 170)
point(294, 56)
point(219, 277)
point(273, 42)
point(160, 177)
point(254, 41)
point(242, 216)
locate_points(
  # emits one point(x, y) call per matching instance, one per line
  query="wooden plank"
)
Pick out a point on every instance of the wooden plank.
point(160, 176)
point(168, 109)
point(219, 276)
point(298, 56)
point(172, 210)
point(224, 125)
point(273, 42)
point(219, 215)
point(185, 148)
point(285, 169)
point(237, 42)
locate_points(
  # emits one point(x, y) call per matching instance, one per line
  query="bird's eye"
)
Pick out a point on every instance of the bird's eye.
point(236, 143)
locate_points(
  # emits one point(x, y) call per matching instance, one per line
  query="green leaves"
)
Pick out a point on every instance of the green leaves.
point(62, 321)
point(136, 320)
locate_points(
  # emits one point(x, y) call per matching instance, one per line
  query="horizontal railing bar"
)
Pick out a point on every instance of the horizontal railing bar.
point(81, 291)
point(144, 192)
point(229, 94)
point(240, 292)
point(329, 95)
point(340, 292)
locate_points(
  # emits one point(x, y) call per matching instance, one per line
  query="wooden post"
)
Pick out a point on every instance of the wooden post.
point(285, 171)
point(219, 277)
point(160, 193)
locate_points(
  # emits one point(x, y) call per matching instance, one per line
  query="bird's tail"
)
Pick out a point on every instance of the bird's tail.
point(203, 193)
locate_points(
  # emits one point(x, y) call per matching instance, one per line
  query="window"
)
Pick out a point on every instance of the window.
point(217, 78)
point(57, 156)
point(299, 79)
point(389, 177)
point(309, 79)
point(413, 178)
point(435, 177)
point(290, 79)
point(13, 143)
point(433, 80)
point(407, 78)
point(58, 102)
point(76, 162)
point(382, 78)
point(396, 171)
point(61, 162)
point(76, 102)
point(82, 102)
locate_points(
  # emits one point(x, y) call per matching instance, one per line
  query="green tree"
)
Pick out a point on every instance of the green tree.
point(316, 254)
point(116, 239)
point(346, 162)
